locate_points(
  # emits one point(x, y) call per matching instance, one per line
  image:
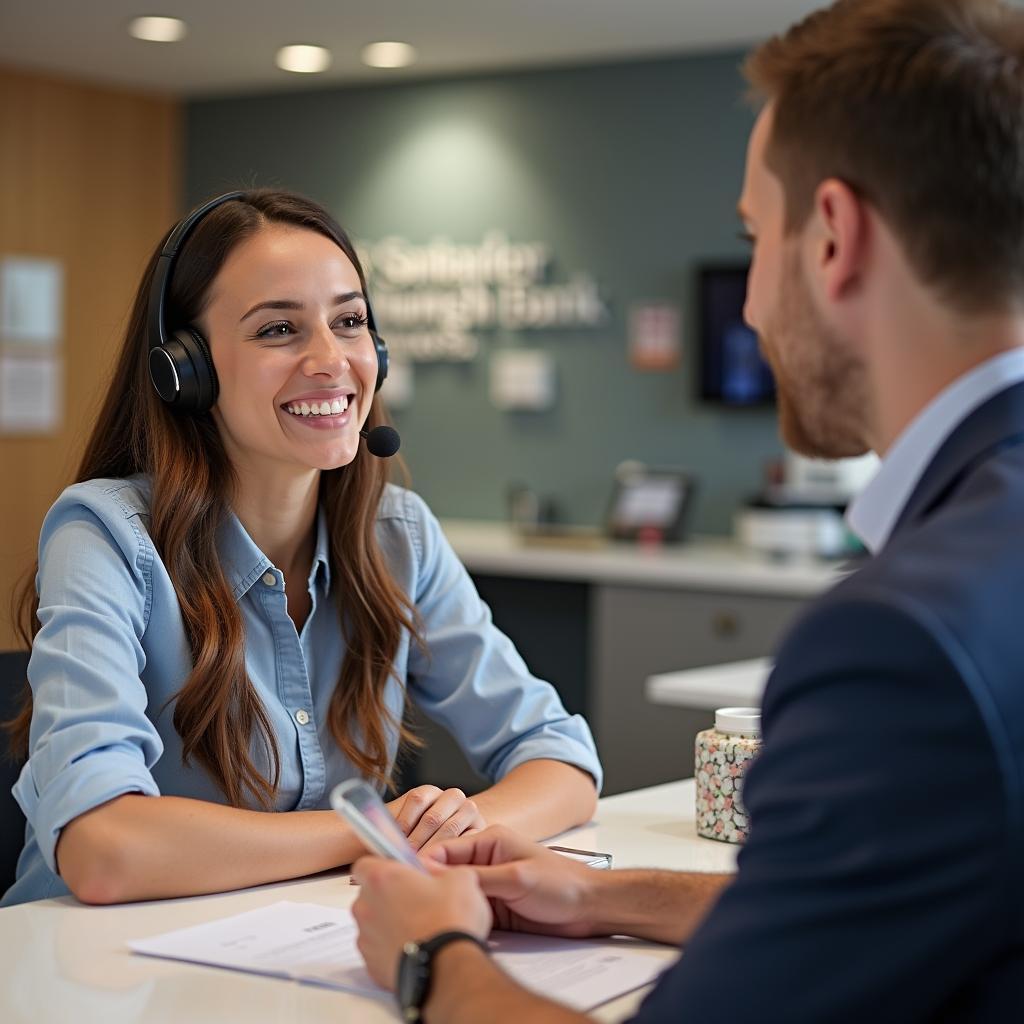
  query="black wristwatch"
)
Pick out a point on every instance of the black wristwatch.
point(414, 971)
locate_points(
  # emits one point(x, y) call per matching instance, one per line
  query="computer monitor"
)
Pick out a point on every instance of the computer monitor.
point(732, 371)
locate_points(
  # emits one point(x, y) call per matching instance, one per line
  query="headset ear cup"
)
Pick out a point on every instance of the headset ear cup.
point(199, 381)
point(381, 348)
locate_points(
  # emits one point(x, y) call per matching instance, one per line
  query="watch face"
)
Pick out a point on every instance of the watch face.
point(412, 981)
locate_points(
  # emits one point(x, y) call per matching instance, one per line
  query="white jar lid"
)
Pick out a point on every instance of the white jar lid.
point(739, 721)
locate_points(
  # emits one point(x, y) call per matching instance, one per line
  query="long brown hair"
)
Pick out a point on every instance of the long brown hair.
point(217, 711)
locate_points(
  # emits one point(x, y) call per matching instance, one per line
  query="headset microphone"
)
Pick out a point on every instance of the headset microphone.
point(381, 441)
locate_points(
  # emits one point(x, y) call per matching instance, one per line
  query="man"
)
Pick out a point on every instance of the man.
point(884, 194)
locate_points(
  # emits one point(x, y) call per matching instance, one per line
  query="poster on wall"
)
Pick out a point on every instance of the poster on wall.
point(31, 300)
point(522, 380)
point(31, 331)
point(30, 394)
point(654, 336)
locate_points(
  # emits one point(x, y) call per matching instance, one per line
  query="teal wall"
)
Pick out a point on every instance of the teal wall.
point(630, 172)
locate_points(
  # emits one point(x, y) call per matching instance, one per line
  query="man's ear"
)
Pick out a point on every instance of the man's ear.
point(839, 238)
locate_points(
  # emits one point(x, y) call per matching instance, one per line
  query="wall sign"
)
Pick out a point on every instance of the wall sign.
point(433, 300)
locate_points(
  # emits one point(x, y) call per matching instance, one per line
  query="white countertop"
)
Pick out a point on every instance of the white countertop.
point(64, 962)
point(703, 563)
point(735, 684)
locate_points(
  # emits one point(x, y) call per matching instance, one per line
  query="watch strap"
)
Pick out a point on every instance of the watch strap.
point(433, 945)
point(422, 955)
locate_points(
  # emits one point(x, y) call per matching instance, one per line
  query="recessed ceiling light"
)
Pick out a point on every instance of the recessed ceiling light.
point(303, 59)
point(158, 30)
point(388, 55)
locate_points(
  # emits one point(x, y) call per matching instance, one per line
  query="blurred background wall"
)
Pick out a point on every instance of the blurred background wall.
point(90, 176)
point(629, 171)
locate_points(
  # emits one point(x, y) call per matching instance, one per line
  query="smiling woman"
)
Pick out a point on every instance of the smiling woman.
point(234, 606)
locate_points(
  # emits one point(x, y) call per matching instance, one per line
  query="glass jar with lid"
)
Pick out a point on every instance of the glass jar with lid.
point(721, 758)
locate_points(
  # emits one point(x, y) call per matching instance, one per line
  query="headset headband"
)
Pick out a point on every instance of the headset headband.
point(165, 264)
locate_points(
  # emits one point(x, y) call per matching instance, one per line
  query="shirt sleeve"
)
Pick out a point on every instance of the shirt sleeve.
point(90, 739)
point(472, 680)
point(877, 877)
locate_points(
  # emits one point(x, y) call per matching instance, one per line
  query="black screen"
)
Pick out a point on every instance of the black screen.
point(732, 371)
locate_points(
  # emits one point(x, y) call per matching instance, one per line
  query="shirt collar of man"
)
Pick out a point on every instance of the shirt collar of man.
point(873, 515)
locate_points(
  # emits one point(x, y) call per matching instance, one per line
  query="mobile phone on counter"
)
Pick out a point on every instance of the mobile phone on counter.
point(361, 806)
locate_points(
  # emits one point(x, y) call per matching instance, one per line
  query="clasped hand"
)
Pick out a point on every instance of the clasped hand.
point(428, 815)
point(494, 878)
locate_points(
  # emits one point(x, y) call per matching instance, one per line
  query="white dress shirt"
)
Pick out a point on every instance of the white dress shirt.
point(874, 512)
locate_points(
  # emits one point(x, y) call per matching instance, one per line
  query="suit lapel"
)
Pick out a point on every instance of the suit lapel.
point(996, 424)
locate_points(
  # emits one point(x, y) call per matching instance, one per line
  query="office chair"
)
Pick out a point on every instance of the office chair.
point(13, 665)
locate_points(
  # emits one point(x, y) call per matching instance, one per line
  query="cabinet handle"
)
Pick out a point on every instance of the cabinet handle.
point(725, 625)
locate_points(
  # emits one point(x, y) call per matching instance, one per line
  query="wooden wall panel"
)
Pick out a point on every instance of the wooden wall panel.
point(90, 176)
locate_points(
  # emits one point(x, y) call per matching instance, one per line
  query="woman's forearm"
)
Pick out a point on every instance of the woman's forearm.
point(540, 798)
point(143, 847)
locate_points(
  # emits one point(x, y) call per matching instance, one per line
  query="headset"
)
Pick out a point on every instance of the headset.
point(180, 365)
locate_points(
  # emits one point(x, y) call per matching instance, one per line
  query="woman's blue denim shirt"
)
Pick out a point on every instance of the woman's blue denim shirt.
point(112, 653)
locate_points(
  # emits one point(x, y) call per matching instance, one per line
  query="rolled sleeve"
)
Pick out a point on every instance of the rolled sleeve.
point(473, 681)
point(90, 738)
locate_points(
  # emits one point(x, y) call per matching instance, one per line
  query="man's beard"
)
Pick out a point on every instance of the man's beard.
point(820, 381)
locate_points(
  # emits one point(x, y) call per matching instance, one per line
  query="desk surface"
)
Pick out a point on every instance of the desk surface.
point(702, 564)
point(62, 962)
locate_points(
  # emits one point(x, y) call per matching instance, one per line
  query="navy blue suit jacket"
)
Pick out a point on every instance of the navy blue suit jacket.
point(884, 876)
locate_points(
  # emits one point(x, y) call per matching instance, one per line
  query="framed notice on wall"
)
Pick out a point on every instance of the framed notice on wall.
point(31, 394)
point(31, 335)
point(654, 335)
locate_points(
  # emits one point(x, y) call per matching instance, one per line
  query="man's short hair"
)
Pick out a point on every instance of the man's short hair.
point(918, 105)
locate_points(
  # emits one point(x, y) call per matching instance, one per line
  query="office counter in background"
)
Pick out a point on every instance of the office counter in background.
point(597, 619)
point(738, 684)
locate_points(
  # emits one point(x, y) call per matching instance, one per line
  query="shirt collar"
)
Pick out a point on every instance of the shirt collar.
point(244, 563)
point(322, 553)
point(876, 510)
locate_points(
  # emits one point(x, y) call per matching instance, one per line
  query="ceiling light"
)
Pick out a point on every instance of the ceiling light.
point(158, 30)
point(303, 59)
point(388, 55)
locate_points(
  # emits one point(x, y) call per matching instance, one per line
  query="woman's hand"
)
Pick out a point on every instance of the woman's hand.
point(428, 815)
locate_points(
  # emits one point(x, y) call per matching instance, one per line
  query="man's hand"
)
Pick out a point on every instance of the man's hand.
point(530, 888)
point(428, 815)
point(398, 904)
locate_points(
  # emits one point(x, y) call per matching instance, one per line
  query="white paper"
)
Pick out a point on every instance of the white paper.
point(522, 379)
point(31, 300)
point(316, 944)
point(30, 394)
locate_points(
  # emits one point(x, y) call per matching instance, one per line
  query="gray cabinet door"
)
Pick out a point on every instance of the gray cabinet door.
point(639, 631)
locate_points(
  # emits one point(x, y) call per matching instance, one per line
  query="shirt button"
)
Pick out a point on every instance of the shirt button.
point(302, 716)
point(269, 578)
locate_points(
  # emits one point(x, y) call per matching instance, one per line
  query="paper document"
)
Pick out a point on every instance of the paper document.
point(316, 944)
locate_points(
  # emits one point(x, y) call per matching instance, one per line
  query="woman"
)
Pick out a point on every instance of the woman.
point(232, 603)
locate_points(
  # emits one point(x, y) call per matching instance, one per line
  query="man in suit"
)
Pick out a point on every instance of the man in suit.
point(884, 196)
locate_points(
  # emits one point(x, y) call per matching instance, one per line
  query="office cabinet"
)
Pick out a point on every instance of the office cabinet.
point(597, 643)
point(639, 631)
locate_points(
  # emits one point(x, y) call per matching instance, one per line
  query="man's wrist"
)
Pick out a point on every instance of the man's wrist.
point(662, 906)
point(459, 971)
